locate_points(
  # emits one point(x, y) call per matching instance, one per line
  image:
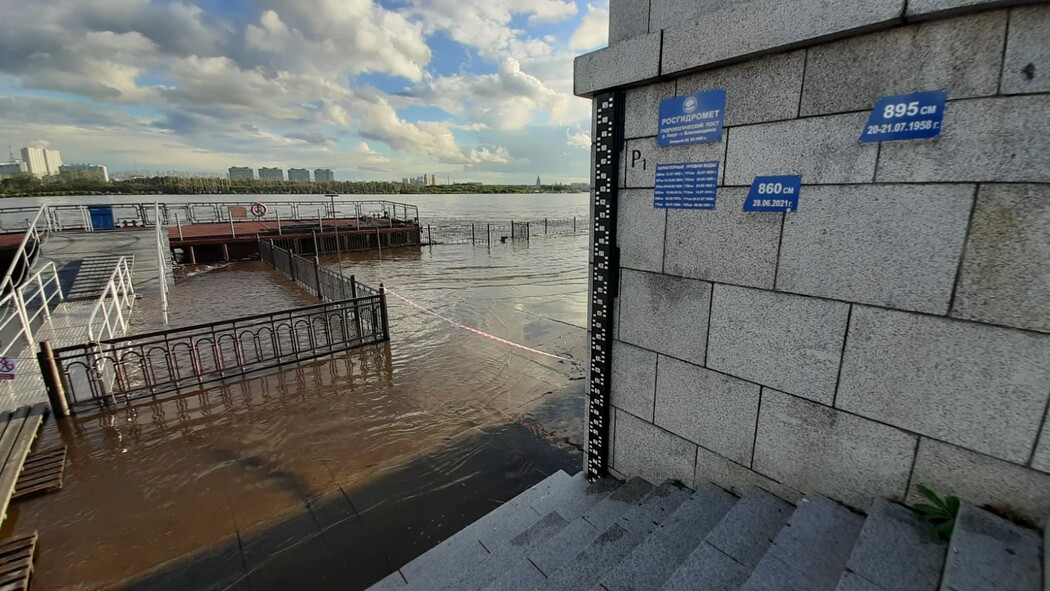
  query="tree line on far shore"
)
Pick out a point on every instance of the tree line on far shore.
point(28, 186)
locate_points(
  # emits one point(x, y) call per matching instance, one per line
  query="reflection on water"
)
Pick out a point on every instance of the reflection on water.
point(391, 430)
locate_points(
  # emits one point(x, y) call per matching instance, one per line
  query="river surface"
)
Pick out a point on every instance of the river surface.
point(335, 472)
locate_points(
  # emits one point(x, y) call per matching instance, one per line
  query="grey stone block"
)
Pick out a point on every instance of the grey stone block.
point(897, 551)
point(664, 314)
point(852, 582)
point(717, 571)
point(1026, 67)
point(620, 501)
point(727, 245)
point(987, 140)
point(523, 576)
point(1041, 457)
point(762, 26)
point(974, 385)
point(788, 342)
point(1006, 258)
point(630, 61)
point(392, 581)
point(666, 14)
point(811, 552)
point(765, 89)
point(746, 532)
point(551, 555)
point(645, 450)
point(642, 109)
point(506, 556)
point(633, 379)
point(640, 231)
point(961, 55)
point(988, 552)
point(568, 491)
point(628, 18)
point(940, 8)
point(736, 477)
point(712, 409)
point(815, 448)
point(890, 245)
point(642, 156)
point(653, 561)
point(823, 150)
point(980, 479)
point(579, 503)
point(616, 542)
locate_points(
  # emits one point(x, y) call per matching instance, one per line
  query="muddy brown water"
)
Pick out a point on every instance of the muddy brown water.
point(332, 473)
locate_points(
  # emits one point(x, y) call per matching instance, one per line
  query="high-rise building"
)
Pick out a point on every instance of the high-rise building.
point(538, 181)
point(271, 174)
point(34, 159)
point(10, 169)
point(324, 175)
point(97, 172)
point(298, 175)
point(54, 162)
point(241, 173)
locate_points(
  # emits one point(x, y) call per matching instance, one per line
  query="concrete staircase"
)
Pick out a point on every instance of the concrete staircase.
point(564, 534)
point(94, 274)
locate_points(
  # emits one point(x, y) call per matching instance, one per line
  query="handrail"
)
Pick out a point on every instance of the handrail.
point(28, 307)
point(115, 304)
point(22, 254)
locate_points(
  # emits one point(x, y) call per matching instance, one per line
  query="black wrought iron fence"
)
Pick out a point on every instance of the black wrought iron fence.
point(126, 368)
point(500, 232)
point(326, 284)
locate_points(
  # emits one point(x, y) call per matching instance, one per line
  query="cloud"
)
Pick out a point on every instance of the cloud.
point(593, 30)
point(486, 24)
point(508, 99)
point(578, 138)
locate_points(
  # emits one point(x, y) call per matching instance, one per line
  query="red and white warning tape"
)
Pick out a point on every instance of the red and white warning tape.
point(476, 331)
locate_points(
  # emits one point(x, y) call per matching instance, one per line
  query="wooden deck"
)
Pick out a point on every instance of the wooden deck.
point(20, 427)
point(16, 562)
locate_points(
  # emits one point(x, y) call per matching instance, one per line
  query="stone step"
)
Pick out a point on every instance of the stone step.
point(551, 555)
point(454, 556)
point(736, 544)
point(571, 501)
point(653, 561)
point(614, 544)
point(989, 552)
point(810, 552)
point(895, 552)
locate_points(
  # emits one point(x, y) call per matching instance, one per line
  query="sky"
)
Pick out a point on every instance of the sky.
point(475, 90)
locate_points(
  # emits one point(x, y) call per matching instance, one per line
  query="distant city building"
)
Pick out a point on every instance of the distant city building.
point(299, 175)
point(42, 162)
point(538, 181)
point(434, 181)
point(241, 173)
point(271, 174)
point(10, 169)
point(324, 175)
point(85, 171)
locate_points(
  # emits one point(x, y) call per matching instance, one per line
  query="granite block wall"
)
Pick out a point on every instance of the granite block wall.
point(895, 329)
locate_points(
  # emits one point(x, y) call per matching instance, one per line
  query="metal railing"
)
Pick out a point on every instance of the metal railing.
point(496, 232)
point(112, 312)
point(128, 368)
point(78, 217)
point(326, 284)
point(27, 304)
point(37, 231)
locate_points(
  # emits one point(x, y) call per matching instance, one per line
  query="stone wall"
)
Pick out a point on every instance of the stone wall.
point(893, 331)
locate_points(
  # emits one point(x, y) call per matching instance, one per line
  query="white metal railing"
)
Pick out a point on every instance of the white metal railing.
point(36, 235)
point(27, 303)
point(112, 312)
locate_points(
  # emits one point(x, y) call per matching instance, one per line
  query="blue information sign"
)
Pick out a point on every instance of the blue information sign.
point(774, 193)
point(692, 119)
point(687, 185)
point(906, 117)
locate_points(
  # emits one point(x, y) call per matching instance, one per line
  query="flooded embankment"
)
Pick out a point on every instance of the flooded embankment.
point(331, 473)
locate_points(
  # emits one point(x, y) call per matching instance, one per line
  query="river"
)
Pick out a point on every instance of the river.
point(333, 473)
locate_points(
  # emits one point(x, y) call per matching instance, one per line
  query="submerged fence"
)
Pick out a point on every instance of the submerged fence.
point(497, 232)
point(127, 368)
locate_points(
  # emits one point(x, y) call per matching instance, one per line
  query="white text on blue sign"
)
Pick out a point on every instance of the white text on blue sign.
point(692, 119)
point(906, 117)
point(774, 193)
point(686, 185)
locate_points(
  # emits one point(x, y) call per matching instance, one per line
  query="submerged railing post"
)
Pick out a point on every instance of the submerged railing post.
point(430, 240)
point(472, 233)
point(317, 277)
point(383, 314)
point(49, 370)
point(544, 226)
